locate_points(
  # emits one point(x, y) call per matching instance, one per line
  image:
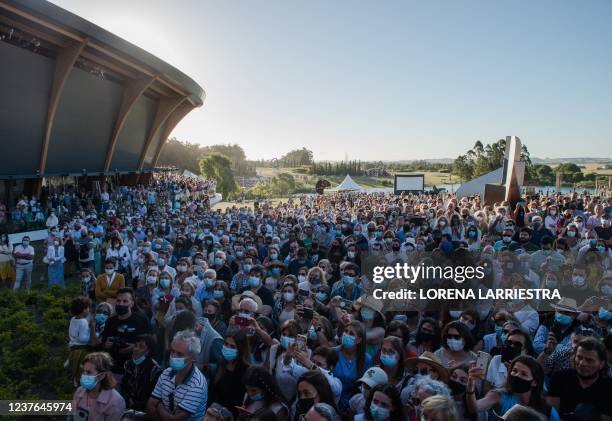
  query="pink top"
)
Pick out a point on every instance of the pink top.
point(109, 406)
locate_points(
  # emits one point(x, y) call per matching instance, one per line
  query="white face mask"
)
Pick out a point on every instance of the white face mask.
point(455, 344)
point(289, 296)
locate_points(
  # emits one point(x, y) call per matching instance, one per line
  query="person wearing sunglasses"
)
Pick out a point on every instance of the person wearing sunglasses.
point(518, 343)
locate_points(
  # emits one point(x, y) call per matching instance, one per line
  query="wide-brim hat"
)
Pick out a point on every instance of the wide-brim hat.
point(431, 360)
point(250, 294)
point(566, 304)
point(370, 302)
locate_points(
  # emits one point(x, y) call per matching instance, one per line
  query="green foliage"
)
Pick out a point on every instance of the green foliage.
point(353, 168)
point(33, 344)
point(218, 167)
point(296, 158)
point(570, 172)
point(540, 174)
point(188, 155)
point(282, 185)
point(482, 159)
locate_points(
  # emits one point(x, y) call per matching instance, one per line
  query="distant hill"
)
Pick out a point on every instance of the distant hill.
point(572, 160)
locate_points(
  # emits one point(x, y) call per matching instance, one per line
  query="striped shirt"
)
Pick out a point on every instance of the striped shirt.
point(190, 395)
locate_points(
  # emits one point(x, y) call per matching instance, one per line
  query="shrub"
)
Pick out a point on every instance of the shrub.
point(33, 344)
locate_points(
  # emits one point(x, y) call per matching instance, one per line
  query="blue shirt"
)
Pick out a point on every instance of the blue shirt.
point(346, 371)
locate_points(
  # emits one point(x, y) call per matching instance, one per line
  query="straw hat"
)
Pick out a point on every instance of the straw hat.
point(431, 360)
point(566, 304)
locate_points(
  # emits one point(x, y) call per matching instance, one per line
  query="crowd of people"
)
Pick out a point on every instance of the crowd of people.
point(266, 312)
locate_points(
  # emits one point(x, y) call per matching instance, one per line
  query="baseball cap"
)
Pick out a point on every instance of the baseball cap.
point(374, 376)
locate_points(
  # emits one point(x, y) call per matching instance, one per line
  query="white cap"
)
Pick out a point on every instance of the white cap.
point(374, 376)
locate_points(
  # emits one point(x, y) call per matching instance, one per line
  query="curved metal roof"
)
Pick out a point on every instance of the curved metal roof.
point(78, 99)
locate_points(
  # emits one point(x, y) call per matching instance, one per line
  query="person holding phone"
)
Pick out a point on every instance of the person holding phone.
point(524, 386)
point(227, 387)
point(262, 393)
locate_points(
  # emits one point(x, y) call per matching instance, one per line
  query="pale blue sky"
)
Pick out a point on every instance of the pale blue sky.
point(383, 79)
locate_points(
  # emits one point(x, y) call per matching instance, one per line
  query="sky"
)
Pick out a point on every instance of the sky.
point(384, 80)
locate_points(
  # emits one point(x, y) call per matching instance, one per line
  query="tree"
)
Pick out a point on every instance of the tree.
point(282, 184)
point(570, 172)
point(297, 157)
point(483, 159)
point(218, 167)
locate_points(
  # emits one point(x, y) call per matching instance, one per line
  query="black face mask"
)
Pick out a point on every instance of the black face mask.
point(518, 385)
point(303, 405)
point(425, 337)
point(395, 248)
point(456, 387)
point(509, 352)
point(121, 309)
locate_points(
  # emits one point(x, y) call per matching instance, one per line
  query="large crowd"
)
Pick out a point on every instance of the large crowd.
point(264, 312)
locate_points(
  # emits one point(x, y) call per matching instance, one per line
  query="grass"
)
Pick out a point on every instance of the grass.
point(431, 177)
point(248, 203)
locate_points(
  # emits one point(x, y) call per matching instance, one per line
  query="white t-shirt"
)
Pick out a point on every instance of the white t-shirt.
point(78, 331)
point(497, 373)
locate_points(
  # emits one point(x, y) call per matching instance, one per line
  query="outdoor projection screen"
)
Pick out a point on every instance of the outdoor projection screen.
point(409, 183)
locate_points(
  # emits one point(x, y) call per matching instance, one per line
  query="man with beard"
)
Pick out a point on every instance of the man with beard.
point(123, 330)
point(585, 389)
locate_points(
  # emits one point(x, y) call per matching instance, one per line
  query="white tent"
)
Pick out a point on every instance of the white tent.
point(348, 184)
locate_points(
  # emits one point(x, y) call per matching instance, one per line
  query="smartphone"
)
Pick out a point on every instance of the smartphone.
point(482, 360)
point(301, 342)
point(241, 321)
point(307, 313)
point(243, 411)
point(346, 304)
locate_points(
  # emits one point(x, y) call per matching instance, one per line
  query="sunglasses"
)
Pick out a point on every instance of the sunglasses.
point(453, 337)
point(423, 371)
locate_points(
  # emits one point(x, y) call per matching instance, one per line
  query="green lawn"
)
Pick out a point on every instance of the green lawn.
point(431, 177)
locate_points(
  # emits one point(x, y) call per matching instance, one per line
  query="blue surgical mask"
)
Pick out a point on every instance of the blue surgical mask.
point(388, 360)
point(254, 281)
point(499, 330)
point(378, 413)
point(321, 296)
point(208, 282)
point(312, 333)
point(286, 341)
point(165, 283)
point(139, 360)
point(562, 319)
point(217, 294)
point(604, 314)
point(88, 382)
point(161, 261)
point(348, 341)
point(276, 271)
point(218, 261)
point(257, 396)
point(367, 314)
point(348, 280)
point(230, 354)
point(177, 363)
point(247, 267)
point(504, 337)
point(101, 318)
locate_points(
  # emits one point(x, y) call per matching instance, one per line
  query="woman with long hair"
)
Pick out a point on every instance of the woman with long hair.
point(383, 404)
point(427, 337)
point(262, 393)
point(393, 363)
point(227, 387)
point(524, 386)
point(353, 360)
point(312, 388)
